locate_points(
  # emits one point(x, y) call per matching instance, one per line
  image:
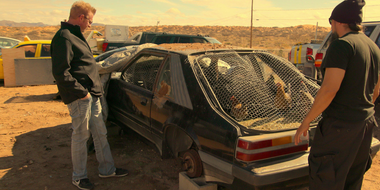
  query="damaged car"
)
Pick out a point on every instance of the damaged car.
point(230, 113)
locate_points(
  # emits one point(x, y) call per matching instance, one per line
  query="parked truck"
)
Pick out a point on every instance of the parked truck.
point(302, 56)
point(117, 36)
point(137, 39)
point(371, 29)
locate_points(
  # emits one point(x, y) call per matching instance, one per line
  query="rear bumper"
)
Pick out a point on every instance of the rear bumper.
point(263, 173)
point(274, 172)
point(258, 174)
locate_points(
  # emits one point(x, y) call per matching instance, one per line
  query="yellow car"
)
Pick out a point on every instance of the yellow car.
point(33, 49)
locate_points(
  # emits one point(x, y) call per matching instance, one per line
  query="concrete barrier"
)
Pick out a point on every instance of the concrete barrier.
point(186, 183)
point(33, 72)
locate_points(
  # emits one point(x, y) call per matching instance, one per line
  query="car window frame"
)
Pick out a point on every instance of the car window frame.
point(369, 32)
point(187, 39)
point(137, 57)
point(42, 46)
point(158, 39)
point(377, 41)
point(204, 41)
point(35, 52)
point(156, 89)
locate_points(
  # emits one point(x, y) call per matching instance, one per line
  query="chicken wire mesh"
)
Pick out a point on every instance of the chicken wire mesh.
point(143, 71)
point(260, 90)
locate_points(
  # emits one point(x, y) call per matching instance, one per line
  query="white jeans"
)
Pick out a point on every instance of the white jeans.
point(87, 119)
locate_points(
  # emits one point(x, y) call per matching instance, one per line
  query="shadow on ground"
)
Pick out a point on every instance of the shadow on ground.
point(32, 98)
point(41, 160)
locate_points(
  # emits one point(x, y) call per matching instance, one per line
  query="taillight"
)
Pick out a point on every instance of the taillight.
point(309, 51)
point(290, 56)
point(104, 47)
point(318, 59)
point(254, 148)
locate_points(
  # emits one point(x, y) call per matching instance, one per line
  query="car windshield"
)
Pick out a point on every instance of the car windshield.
point(259, 90)
point(213, 40)
point(7, 43)
point(105, 55)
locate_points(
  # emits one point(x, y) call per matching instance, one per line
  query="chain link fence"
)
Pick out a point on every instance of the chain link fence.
point(260, 90)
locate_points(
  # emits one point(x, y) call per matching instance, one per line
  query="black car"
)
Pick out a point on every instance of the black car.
point(230, 114)
point(166, 38)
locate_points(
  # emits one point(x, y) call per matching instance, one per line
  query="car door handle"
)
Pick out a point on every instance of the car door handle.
point(143, 101)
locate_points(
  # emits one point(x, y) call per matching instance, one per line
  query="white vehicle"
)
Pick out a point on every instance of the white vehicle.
point(371, 29)
point(95, 43)
point(302, 56)
point(7, 42)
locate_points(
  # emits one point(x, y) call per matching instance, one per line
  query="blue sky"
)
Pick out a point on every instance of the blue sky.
point(268, 13)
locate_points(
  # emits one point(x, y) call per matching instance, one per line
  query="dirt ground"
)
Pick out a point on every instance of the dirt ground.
point(35, 138)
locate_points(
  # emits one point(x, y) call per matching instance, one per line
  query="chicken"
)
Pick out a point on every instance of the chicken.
point(306, 99)
point(160, 99)
point(282, 100)
point(271, 85)
point(238, 111)
point(164, 90)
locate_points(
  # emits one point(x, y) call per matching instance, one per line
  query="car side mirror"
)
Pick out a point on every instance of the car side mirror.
point(115, 75)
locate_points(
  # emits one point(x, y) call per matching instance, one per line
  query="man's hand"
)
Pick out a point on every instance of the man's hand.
point(301, 130)
point(86, 97)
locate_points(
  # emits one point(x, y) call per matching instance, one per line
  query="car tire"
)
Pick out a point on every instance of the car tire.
point(192, 163)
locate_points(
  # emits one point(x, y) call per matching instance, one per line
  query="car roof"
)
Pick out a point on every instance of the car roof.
point(35, 42)
point(194, 48)
point(10, 39)
point(182, 35)
point(154, 32)
point(371, 23)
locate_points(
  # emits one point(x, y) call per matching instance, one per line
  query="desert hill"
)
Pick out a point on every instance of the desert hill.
point(20, 24)
point(270, 38)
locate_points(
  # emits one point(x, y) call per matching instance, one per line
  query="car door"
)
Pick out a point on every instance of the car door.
point(44, 51)
point(162, 100)
point(135, 86)
point(30, 50)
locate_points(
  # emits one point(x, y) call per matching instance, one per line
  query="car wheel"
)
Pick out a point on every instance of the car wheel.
point(192, 163)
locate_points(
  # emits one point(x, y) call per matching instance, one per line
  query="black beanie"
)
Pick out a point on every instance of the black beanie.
point(348, 11)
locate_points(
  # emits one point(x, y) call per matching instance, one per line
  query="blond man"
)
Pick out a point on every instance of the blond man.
point(77, 78)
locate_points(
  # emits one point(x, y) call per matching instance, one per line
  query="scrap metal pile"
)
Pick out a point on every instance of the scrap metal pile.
point(260, 90)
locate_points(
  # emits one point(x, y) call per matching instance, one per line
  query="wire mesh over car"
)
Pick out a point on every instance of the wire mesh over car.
point(259, 90)
point(229, 113)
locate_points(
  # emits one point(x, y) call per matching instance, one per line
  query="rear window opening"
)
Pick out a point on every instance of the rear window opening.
point(259, 90)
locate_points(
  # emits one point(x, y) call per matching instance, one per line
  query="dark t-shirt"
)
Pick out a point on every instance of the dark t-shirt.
point(360, 58)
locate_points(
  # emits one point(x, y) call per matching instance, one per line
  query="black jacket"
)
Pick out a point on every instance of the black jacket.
point(74, 67)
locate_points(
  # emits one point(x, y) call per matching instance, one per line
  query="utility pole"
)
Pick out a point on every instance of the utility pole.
point(250, 41)
point(158, 22)
point(316, 31)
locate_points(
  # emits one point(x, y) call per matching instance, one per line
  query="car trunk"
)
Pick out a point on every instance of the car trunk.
point(261, 91)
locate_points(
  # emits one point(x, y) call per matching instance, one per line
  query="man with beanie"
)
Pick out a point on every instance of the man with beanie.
point(340, 151)
point(78, 81)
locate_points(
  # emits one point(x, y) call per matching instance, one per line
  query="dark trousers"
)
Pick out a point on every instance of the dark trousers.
point(340, 154)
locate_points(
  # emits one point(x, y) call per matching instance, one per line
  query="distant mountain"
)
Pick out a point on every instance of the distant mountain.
point(21, 24)
point(27, 24)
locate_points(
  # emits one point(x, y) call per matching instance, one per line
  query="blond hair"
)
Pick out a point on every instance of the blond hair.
point(79, 8)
